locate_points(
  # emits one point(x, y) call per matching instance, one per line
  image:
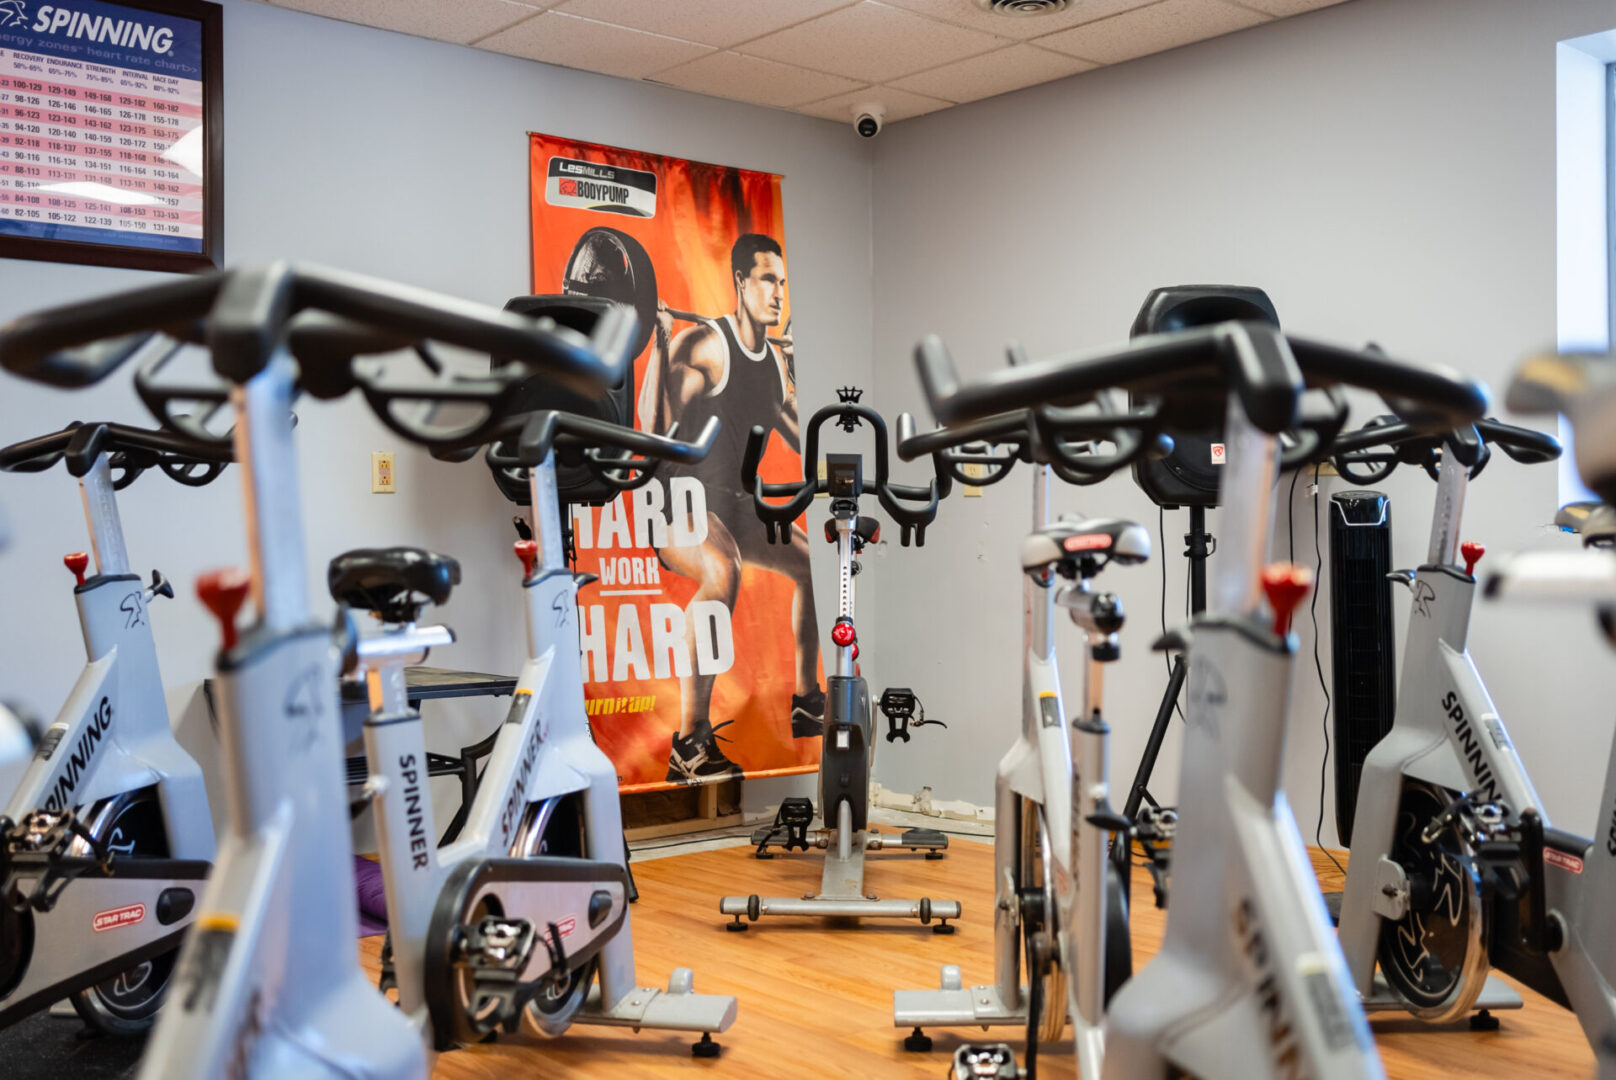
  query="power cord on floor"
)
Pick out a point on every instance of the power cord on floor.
point(1318, 665)
point(1167, 657)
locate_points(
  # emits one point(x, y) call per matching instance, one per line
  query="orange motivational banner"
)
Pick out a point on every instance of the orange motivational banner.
point(700, 645)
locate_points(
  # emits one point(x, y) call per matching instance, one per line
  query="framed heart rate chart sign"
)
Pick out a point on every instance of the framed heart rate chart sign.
point(111, 141)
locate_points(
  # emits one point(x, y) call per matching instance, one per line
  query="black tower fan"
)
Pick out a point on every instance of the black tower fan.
point(1361, 638)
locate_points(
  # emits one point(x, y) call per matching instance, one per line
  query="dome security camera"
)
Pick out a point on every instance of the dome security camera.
point(867, 118)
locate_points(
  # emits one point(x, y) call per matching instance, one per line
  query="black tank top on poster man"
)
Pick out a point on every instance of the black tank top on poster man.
point(751, 391)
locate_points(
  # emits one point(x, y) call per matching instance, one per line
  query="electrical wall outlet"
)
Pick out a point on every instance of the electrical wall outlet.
point(381, 473)
point(975, 470)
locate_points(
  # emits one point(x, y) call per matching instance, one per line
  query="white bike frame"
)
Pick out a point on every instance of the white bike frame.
point(1448, 733)
point(269, 984)
point(1060, 770)
point(111, 736)
point(542, 750)
point(1250, 981)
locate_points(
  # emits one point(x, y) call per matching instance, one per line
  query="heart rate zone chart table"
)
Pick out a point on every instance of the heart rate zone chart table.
point(112, 150)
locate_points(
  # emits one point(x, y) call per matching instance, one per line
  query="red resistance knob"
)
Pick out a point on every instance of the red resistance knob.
point(1472, 553)
point(528, 552)
point(78, 562)
point(1285, 584)
point(844, 635)
point(224, 591)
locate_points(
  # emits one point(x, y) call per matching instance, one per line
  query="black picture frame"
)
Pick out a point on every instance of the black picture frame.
point(211, 18)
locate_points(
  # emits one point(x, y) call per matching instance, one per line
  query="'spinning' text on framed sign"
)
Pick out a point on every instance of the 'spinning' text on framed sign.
point(111, 145)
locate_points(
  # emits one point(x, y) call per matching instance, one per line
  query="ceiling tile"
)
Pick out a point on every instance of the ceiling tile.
point(463, 21)
point(1162, 26)
point(761, 82)
point(1287, 7)
point(900, 104)
point(871, 42)
point(967, 13)
point(570, 41)
point(711, 22)
point(993, 73)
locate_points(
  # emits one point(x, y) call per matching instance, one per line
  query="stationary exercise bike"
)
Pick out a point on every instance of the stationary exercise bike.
point(1431, 894)
point(481, 942)
point(1460, 869)
point(106, 841)
point(848, 750)
point(1249, 981)
point(268, 984)
point(1053, 822)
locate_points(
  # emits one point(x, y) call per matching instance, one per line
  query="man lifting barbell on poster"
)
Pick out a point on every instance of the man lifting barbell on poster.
point(731, 368)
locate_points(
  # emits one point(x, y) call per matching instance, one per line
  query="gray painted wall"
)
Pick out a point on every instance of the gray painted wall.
point(404, 158)
point(1386, 169)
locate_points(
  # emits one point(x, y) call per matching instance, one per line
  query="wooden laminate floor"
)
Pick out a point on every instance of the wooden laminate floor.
point(816, 999)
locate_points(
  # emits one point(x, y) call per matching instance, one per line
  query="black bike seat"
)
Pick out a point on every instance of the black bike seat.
point(1112, 539)
point(394, 583)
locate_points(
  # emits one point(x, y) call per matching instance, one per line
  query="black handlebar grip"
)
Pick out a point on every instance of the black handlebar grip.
point(82, 443)
point(79, 344)
point(937, 375)
point(756, 440)
point(36, 454)
point(1522, 444)
point(1428, 396)
point(596, 432)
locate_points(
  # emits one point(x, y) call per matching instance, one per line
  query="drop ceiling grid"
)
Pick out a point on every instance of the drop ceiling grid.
point(819, 57)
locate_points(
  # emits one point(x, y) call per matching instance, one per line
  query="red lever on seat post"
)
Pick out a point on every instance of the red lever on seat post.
point(224, 591)
point(1472, 553)
point(528, 552)
point(78, 562)
point(1285, 584)
point(843, 634)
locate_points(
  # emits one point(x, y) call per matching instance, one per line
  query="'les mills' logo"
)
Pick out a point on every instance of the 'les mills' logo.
point(83, 754)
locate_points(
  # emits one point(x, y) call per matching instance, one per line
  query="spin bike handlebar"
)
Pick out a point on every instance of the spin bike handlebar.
point(130, 451)
point(586, 440)
point(1049, 436)
point(777, 517)
point(1254, 360)
point(244, 315)
point(1404, 444)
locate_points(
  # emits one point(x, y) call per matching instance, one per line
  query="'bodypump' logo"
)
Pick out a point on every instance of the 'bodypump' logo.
point(607, 189)
point(96, 29)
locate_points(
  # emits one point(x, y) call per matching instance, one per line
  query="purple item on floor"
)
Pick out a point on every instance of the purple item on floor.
point(372, 897)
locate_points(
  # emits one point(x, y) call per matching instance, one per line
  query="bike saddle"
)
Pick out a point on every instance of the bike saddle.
point(1104, 539)
point(394, 583)
point(1594, 522)
point(866, 528)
